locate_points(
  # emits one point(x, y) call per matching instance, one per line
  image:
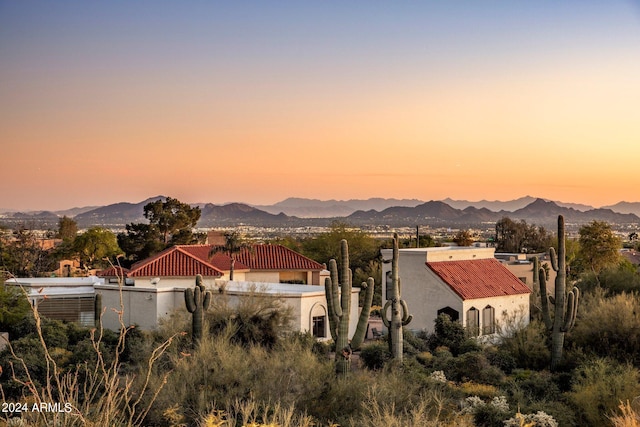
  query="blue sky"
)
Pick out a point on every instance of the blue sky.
point(257, 101)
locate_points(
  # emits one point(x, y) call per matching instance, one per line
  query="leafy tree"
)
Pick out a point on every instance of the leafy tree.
point(362, 247)
point(170, 217)
point(22, 254)
point(140, 241)
point(14, 307)
point(463, 238)
point(171, 222)
point(520, 237)
point(95, 244)
point(67, 229)
point(614, 280)
point(599, 247)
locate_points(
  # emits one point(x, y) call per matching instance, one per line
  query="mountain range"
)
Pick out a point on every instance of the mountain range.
point(373, 212)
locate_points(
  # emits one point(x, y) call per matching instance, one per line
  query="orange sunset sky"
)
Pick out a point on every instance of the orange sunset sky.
point(102, 102)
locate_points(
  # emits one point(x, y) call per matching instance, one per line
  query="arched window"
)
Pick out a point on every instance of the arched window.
point(453, 314)
point(473, 322)
point(488, 320)
point(318, 321)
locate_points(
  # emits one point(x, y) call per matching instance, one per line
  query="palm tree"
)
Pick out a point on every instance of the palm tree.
point(233, 244)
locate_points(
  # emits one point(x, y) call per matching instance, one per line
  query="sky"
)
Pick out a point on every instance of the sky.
point(254, 102)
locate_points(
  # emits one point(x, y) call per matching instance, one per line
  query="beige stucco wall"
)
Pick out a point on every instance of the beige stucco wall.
point(262, 276)
point(508, 309)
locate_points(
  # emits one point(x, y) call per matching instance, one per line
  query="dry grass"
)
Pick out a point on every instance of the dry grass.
point(95, 393)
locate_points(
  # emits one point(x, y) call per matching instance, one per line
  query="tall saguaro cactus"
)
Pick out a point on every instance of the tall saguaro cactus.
point(566, 304)
point(399, 311)
point(338, 293)
point(197, 301)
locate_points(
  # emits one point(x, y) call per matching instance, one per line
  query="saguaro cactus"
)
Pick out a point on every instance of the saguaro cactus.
point(399, 311)
point(338, 293)
point(566, 304)
point(197, 301)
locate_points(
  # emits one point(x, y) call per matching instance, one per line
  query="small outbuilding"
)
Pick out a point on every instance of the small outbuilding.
point(467, 283)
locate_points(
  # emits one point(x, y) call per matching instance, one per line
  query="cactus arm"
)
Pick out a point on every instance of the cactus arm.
point(363, 320)
point(572, 309)
point(386, 321)
point(206, 301)
point(335, 294)
point(568, 320)
point(331, 313)
point(553, 257)
point(189, 300)
point(406, 317)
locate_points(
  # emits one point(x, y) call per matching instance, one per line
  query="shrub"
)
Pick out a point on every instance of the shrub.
point(536, 385)
point(255, 318)
point(470, 367)
point(95, 394)
point(609, 326)
point(501, 359)
point(539, 419)
point(220, 372)
point(431, 410)
point(629, 416)
point(374, 356)
point(599, 387)
point(471, 388)
point(487, 414)
point(527, 346)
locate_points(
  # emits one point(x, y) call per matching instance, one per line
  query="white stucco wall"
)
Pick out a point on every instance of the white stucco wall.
point(146, 305)
point(425, 293)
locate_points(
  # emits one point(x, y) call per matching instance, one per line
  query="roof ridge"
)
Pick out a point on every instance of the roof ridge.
point(169, 251)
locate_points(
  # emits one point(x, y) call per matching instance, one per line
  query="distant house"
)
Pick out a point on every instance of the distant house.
point(467, 283)
point(522, 267)
point(154, 287)
point(257, 263)
point(632, 256)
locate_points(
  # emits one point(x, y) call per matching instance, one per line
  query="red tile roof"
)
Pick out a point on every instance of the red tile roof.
point(172, 262)
point(189, 260)
point(257, 257)
point(219, 260)
point(114, 271)
point(275, 257)
point(482, 278)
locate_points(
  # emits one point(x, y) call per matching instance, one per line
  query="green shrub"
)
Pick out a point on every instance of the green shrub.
point(470, 367)
point(255, 319)
point(374, 356)
point(599, 386)
point(609, 326)
point(528, 346)
point(536, 385)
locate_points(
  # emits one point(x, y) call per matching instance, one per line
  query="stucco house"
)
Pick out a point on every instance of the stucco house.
point(177, 265)
point(154, 287)
point(467, 283)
